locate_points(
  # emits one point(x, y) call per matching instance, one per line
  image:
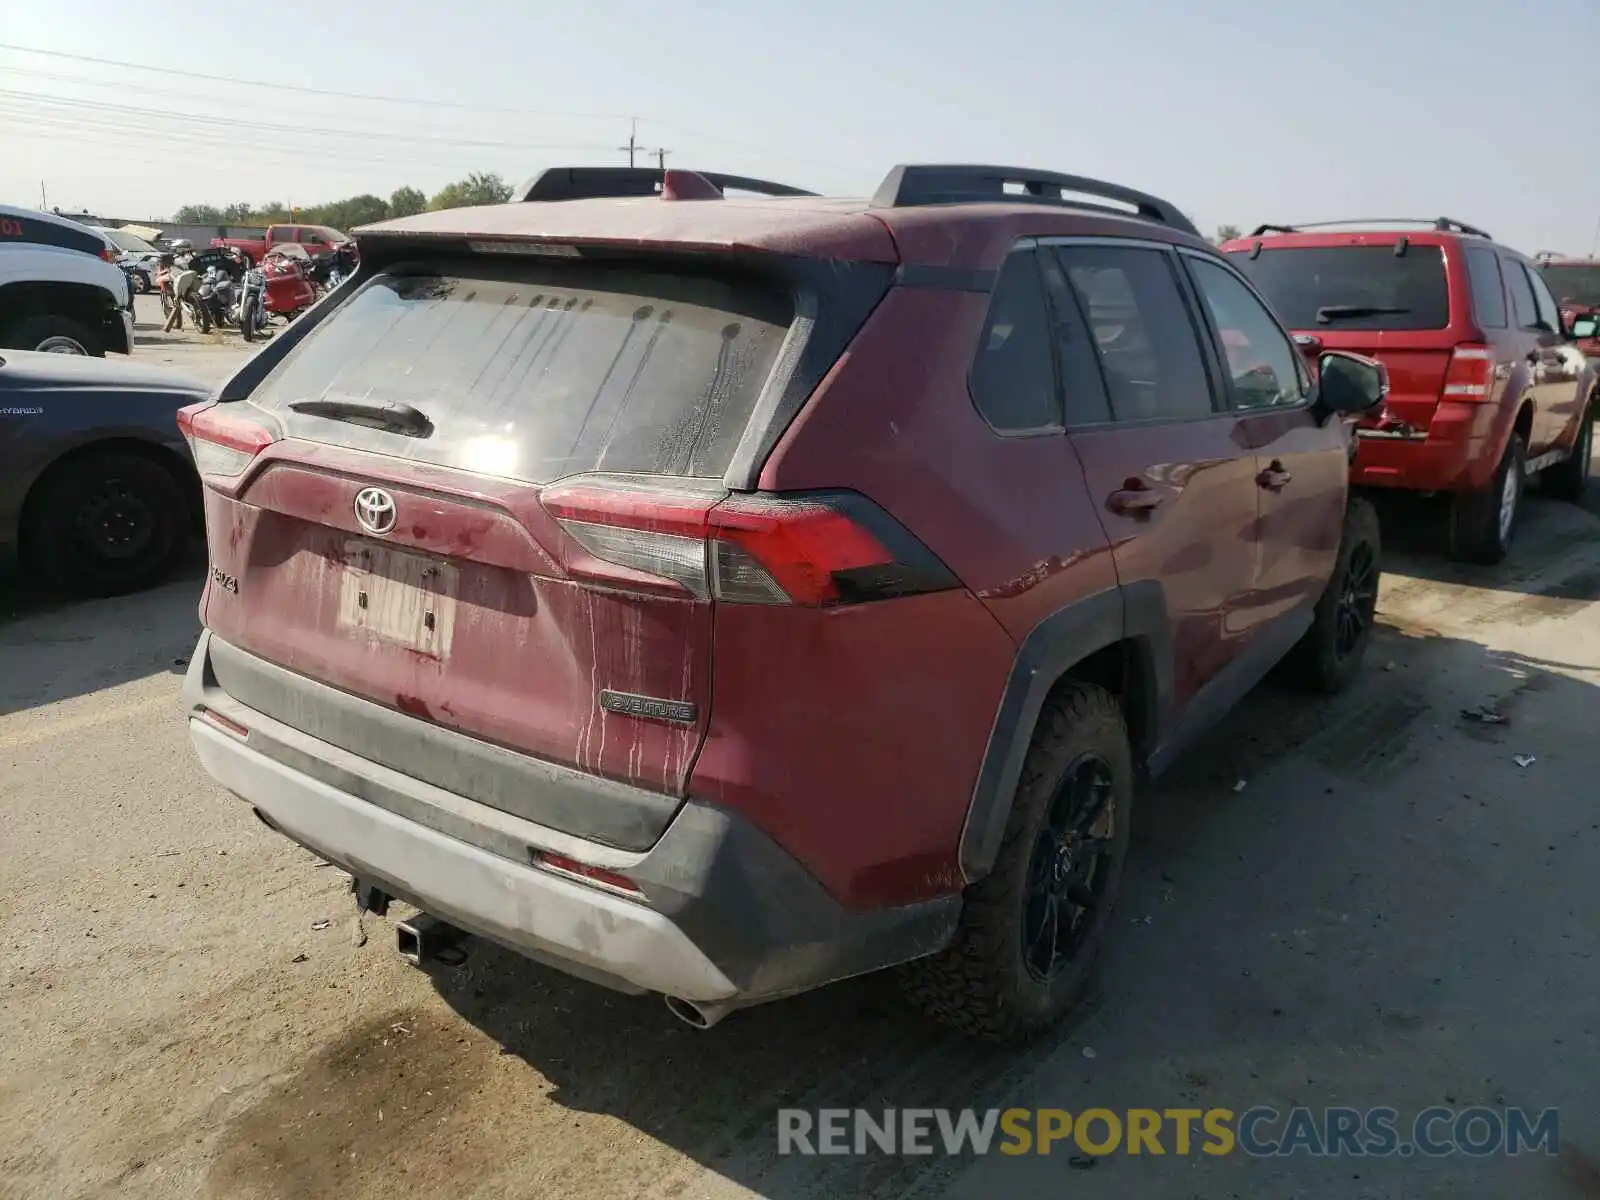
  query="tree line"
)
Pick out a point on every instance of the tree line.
point(477, 188)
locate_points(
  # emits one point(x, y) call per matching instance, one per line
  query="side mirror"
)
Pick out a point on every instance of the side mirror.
point(1349, 384)
point(1585, 327)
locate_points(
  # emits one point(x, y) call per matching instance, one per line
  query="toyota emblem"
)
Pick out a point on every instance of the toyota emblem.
point(375, 510)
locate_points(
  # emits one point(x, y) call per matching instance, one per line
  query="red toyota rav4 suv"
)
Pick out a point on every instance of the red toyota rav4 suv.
point(1488, 387)
point(721, 596)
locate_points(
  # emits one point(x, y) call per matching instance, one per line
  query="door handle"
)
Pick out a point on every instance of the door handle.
point(1274, 478)
point(1133, 501)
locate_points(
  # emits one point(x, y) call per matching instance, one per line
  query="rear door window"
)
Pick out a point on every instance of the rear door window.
point(1488, 292)
point(1549, 313)
point(542, 370)
point(1352, 287)
point(1523, 306)
point(1142, 330)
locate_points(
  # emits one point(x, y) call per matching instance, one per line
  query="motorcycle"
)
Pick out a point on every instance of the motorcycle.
point(252, 313)
point(217, 295)
point(332, 268)
point(288, 287)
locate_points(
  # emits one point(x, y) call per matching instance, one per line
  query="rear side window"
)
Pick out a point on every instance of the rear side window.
point(543, 370)
point(49, 233)
point(1522, 302)
point(1352, 287)
point(1488, 293)
point(1013, 379)
point(1549, 314)
point(1142, 331)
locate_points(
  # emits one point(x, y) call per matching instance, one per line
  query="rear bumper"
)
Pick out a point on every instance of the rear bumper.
point(119, 330)
point(726, 914)
point(1458, 452)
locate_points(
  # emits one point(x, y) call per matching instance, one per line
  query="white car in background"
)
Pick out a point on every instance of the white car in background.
point(136, 256)
point(61, 291)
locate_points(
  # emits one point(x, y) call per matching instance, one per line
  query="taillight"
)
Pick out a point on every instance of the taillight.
point(223, 444)
point(815, 549)
point(1467, 377)
point(110, 255)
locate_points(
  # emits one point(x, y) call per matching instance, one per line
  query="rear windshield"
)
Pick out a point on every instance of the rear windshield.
point(128, 242)
point(543, 370)
point(1341, 287)
point(1573, 285)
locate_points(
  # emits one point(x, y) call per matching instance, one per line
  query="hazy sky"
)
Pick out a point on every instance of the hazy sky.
point(1239, 112)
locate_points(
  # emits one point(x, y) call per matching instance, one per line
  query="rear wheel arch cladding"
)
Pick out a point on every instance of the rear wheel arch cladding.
point(1132, 617)
point(1523, 423)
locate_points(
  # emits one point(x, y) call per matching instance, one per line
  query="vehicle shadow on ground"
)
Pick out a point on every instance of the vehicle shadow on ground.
point(55, 648)
point(1267, 930)
point(1554, 557)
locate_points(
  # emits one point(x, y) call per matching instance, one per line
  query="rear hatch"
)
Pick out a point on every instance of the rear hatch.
point(1377, 298)
point(434, 492)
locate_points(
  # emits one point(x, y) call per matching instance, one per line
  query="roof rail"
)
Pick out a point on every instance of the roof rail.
point(1442, 224)
point(589, 183)
point(910, 186)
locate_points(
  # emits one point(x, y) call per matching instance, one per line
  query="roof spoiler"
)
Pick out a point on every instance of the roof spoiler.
point(1442, 224)
point(592, 183)
point(909, 186)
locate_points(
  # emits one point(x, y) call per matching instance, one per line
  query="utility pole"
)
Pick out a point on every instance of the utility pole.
point(661, 157)
point(44, 204)
point(633, 146)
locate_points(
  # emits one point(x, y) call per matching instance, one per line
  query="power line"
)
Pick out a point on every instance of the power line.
point(310, 91)
point(237, 123)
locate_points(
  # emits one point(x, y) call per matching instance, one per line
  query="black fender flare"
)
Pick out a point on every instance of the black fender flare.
point(1137, 612)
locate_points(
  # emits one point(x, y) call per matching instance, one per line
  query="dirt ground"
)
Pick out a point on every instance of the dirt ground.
point(1390, 911)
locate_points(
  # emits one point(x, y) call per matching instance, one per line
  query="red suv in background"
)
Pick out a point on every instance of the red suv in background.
point(1575, 283)
point(1487, 388)
point(718, 597)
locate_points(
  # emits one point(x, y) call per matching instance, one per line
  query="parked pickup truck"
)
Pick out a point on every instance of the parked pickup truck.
point(317, 239)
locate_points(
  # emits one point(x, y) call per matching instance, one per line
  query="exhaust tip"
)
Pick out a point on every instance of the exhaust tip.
point(699, 1016)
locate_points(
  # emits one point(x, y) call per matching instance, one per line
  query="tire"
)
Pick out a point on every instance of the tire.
point(201, 317)
point(1328, 657)
point(106, 523)
point(52, 335)
point(1569, 478)
point(988, 982)
point(247, 323)
point(1481, 530)
point(140, 282)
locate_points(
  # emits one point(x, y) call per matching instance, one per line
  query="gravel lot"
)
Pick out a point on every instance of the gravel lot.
point(1391, 911)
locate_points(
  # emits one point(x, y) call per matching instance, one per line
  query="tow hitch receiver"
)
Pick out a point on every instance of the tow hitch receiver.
point(423, 938)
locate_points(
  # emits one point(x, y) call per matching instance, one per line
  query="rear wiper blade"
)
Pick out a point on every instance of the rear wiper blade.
point(396, 418)
point(1333, 312)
